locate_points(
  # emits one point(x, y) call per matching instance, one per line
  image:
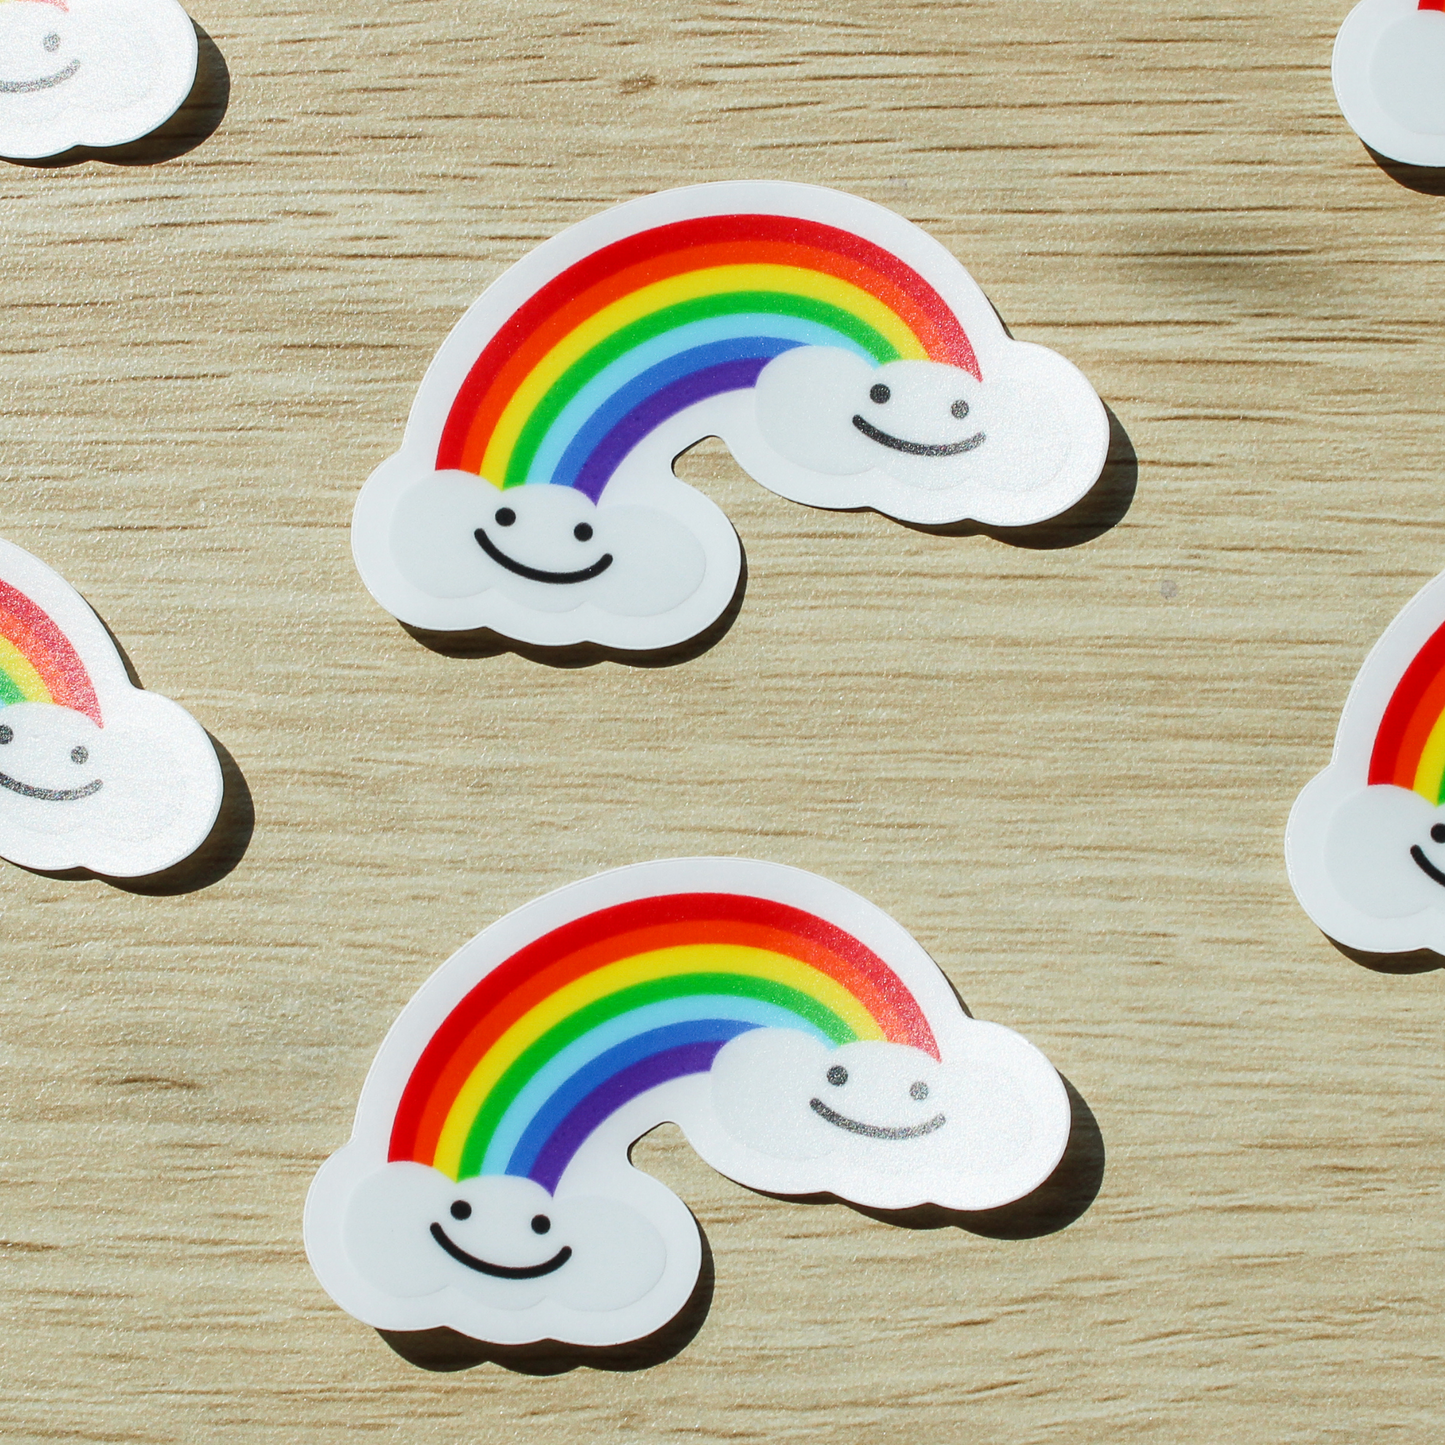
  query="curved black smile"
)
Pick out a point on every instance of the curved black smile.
point(875, 1131)
point(918, 449)
point(536, 573)
point(25, 87)
point(1426, 866)
point(53, 795)
point(501, 1271)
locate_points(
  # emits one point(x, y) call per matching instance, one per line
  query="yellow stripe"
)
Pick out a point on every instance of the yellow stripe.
point(1430, 771)
point(714, 280)
point(18, 667)
point(641, 968)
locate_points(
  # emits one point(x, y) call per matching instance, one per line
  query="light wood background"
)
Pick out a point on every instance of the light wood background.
point(1066, 768)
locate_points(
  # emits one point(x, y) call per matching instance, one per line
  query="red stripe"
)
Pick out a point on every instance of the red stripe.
point(653, 246)
point(582, 946)
point(1432, 4)
point(628, 943)
point(1386, 764)
point(48, 651)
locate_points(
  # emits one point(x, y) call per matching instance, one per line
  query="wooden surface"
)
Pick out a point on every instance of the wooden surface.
point(1066, 768)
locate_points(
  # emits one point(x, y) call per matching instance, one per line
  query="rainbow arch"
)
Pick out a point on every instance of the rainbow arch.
point(37, 661)
point(640, 330)
point(575, 1025)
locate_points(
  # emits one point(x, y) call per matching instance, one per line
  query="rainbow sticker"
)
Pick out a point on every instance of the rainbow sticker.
point(93, 73)
point(802, 1040)
point(847, 359)
point(94, 772)
point(1366, 838)
point(1388, 64)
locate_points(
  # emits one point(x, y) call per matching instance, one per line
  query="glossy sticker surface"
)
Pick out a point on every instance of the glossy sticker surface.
point(801, 1039)
point(90, 72)
point(846, 358)
point(94, 773)
point(1389, 75)
point(1366, 838)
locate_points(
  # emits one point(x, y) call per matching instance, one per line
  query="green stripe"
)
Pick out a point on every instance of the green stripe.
point(9, 690)
point(702, 308)
point(538, 1054)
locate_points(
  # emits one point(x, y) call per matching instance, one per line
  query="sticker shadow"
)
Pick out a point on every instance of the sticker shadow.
point(1421, 960)
point(1423, 180)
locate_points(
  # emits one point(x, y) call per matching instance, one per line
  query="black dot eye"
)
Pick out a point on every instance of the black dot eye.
point(52, 43)
point(918, 1091)
point(1438, 832)
point(461, 1209)
point(959, 408)
point(837, 1076)
point(7, 733)
point(540, 1224)
point(879, 393)
point(582, 531)
point(505, 516)
point(79, 755)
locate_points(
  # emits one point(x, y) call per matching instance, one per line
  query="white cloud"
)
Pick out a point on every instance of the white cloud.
point(1388, 59)
point(127, 799)
point(924, 441)
point(886, 1125)
point(90, 72)
point(502, 1243)
point(1361, 860)
point(548, 549)
point(612, 1256)
point(647, 567)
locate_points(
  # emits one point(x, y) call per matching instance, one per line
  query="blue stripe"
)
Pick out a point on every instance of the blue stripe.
point(627, 368)
point(654, 380)
point(581, 1052)
point(602, 1068)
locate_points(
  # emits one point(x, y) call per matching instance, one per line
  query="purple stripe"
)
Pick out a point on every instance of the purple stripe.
point(607, 456)
point(607, 1098)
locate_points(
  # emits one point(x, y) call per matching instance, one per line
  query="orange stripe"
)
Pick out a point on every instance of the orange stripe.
point(1417, 732)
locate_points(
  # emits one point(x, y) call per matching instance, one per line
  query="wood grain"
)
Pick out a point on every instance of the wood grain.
point(1065, 768)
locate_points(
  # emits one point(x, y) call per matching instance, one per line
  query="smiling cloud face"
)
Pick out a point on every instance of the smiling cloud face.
point(503, 1243)
point(127, 799)
point(928, 442)
point(885, 1124)
point(468, 553)
point(919, 421)
point(90, 72)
